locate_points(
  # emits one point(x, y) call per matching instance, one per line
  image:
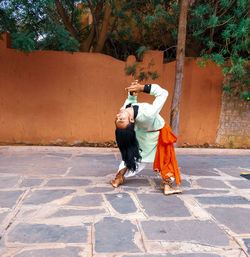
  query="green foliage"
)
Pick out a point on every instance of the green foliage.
point(131, 70)
point(222, 30)
point(35, 25)
point(245, 96)
point(141, 51)
point(154, 75)
point(142, 76)
point(227, 89)
point(231, 144)
point(23, 42)
point(141, 73)
point(59, 39)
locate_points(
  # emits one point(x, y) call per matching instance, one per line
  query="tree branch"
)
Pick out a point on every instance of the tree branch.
point(65, 19)
point(85, 46)
point(94, 18)
point(211, 36)
point(52, 17)
point(72, 11)
point(104, 29)
point(169, 48)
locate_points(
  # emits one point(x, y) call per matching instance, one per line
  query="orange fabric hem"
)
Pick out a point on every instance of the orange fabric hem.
point(165, 159)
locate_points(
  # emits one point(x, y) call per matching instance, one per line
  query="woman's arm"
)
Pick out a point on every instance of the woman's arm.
point(153, 89)
point(130, 100)
point(160, 97)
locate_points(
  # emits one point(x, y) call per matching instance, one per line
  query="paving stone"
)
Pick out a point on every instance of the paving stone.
point(211, 183)
point(17, 159)
point(203, 232)
point(199, 172)
point(91, 200)
point(247, 244)
point(31, 182)
point(73, 212)
point(184, 183)
point(93, 165)
point(27, 156)
point(136, 182)
point(87, 160)
point(146, 255)
point(130, 189)
point(21, 169)
point(203, 192)
point(3, 215)
point(121, 202)
point(90, 172)
point(1, 245)
point(98, 157)
point(193, 255)
point(115, 235)
point(176, 255)
point(241, 184)
point(163, 206)
point(223, 200)
point(50, 161)
point(68, 182)
point(61, 252)
point(94, 170)
point(65, 155)
point(147, 171)
point(211, 161)
point(41, 233)
point(234, 172)
point(8, 182)
point(237, 219)
point(49, 170)
point(9, 198)
point(45, 196)
point(99, 189)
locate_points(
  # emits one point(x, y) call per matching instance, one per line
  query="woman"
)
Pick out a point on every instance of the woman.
point(143, 136)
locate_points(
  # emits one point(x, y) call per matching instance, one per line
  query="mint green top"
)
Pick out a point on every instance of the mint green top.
point(148, 119)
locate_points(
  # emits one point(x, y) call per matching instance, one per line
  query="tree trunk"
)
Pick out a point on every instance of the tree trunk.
point(104, 30)
point(87, 43)
point(180, 55)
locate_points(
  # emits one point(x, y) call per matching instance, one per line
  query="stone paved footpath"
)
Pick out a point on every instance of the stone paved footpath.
point(57, 201)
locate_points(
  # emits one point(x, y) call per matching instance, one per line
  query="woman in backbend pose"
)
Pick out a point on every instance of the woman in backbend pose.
point(143, 136)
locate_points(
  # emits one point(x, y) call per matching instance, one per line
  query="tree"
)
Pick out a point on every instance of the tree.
point(59, 24)
point(117, 27)
point(175, 107)
point(222, 27)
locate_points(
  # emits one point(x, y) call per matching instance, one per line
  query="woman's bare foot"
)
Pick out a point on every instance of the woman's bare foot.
point(117, 181)
point(168, 190)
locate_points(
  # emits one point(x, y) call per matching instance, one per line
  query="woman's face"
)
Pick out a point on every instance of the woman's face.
point(122, 119)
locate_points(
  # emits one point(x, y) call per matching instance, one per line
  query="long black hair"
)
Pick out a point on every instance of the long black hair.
point(128, 145)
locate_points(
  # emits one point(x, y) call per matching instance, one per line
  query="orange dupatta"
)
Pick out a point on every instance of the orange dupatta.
point(165, 160)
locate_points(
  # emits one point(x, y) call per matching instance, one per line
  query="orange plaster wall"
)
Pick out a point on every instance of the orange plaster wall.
point(48, 96)
point(200, 101)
